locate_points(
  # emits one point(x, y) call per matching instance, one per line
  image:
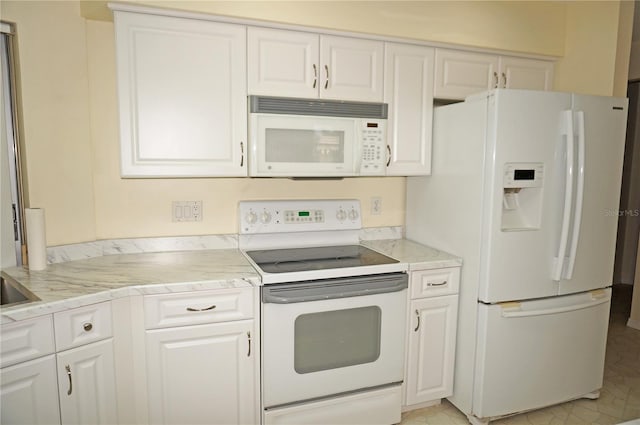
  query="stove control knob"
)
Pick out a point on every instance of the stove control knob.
point(353, 215)
point(265, 217)
point(341, 214)
point(251, 217)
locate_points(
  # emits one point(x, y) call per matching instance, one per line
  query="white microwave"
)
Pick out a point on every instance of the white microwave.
point(316, 138)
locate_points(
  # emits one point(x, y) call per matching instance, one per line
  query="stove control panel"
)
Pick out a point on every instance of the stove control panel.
point(299, 216)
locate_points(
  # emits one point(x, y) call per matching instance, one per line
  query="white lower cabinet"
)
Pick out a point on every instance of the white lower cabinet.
point(203, 371)
point(431, 337)
point(29, 393)
point(86, 382)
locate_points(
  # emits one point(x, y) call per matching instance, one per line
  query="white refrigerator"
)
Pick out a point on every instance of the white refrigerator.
point(525, 188)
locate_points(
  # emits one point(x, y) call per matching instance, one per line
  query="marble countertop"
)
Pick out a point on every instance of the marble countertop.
point(71, 284)
point(62, 286)
point(419, 257)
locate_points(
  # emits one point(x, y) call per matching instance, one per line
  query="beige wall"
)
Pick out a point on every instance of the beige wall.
point(634, 317)
point(70, 114)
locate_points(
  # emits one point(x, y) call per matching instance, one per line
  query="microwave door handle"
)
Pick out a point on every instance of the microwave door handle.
point(388, 155)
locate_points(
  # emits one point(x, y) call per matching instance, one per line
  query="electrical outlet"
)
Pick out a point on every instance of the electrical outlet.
point(186, 211)
point(376, 205)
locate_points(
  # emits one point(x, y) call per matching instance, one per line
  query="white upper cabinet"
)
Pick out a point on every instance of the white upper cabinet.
point(182, 96)
point(459, 74)
point(408, 89)
point(282, 63)
point(300, 64)
point(522, 73)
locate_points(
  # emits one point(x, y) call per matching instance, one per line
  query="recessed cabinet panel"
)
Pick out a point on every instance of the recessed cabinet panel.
point(282, 63)
point(25, 340)
point(82, 325)
point(29, 393)
point(459, 74)
point(182, 94)
point(520, 73)
point(351, 68)
point(408, 89)
point(86, 381)
point(202, 374)
point(431, 349)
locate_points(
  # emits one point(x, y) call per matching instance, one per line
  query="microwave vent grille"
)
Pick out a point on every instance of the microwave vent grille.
point(328, 108)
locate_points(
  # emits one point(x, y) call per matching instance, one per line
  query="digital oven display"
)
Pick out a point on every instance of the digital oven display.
point(303, 213)
point(524, 174)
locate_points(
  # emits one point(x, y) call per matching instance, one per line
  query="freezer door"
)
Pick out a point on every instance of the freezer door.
point(600, 127)
point(538, 353)
point(527, 131)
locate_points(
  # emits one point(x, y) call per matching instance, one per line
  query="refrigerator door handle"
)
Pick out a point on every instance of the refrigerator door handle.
point(556, 273)
point(556, 310)
point(577, 217)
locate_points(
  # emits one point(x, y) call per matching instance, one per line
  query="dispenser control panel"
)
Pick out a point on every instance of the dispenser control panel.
point(517, 175)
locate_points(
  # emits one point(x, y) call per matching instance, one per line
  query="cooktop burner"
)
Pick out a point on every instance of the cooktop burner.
point(317, 258)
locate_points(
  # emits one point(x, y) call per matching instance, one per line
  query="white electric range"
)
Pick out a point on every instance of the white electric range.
point(332, 314)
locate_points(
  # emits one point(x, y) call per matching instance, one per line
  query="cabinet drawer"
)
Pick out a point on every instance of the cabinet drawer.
point(431, 283)
point(25, 340)
point(82, 325)
point(191, 308)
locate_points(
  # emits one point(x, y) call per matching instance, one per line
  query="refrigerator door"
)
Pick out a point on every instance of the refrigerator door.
point(541, 352)
point(525, 172)
point(600, 127)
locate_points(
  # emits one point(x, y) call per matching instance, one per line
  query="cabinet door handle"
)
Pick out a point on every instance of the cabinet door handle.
point(437, 284)
point(504, 80)
point(201, 309)
point(315, 75)
point(242, 154)
point(388, 155)
point(68, 369)
point(495, 80)
point(326, 83)
point(418, 325)
point(87, 326)
point(249, 339)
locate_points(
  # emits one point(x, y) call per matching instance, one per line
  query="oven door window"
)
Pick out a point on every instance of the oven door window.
point(339, 338)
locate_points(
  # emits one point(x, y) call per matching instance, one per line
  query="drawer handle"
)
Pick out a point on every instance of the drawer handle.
point(87, 326)
point(418, 316)
point(201, 309)
point(68, 369)
point(437, 284)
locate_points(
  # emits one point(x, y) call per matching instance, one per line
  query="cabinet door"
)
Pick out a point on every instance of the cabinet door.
point(202, 374)
point(29, 393)
point(352, 68)
point(86, 381)
point(521, 73)
point(459, 74)
point(283, 63)
point(408, 89)
point(432, 338)
point(182, 96)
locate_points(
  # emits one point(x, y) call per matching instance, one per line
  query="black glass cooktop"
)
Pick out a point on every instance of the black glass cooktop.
point(317, 258)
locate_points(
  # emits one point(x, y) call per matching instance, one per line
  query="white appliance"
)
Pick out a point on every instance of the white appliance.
point(316, 138)
point(525, 188)
point(332, 314)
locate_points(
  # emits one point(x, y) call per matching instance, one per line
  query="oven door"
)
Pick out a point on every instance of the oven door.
point(327, 337)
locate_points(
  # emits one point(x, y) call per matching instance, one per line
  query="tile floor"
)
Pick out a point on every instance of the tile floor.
point(619, 399)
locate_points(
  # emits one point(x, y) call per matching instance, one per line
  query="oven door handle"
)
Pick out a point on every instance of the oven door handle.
point(332, 289)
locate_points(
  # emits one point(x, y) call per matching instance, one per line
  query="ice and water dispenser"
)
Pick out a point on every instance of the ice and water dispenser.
point(522, 196)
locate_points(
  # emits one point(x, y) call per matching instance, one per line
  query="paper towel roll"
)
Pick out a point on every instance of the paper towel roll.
point(36, 238)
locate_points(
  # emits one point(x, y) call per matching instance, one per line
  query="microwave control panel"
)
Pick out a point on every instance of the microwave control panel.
point(374, 147)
